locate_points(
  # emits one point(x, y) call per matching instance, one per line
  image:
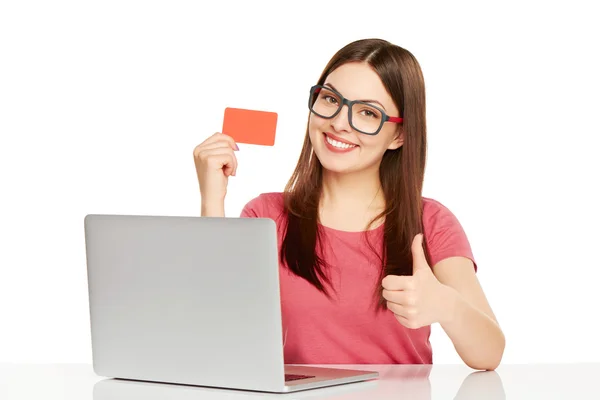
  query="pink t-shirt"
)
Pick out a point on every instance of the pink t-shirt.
point(347, 329)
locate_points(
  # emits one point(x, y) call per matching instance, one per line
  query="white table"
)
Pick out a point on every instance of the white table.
point(414, 382)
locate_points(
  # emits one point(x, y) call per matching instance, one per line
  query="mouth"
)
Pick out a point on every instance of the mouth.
point(338, 145)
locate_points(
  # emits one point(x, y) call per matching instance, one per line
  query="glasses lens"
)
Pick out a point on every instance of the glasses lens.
point(366, 118)
point(325, 102)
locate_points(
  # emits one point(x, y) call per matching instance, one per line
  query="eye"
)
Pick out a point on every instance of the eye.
point(330, 99)
point(369, 113)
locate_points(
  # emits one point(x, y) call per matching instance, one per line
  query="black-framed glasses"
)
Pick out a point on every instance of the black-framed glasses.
point(364, 117)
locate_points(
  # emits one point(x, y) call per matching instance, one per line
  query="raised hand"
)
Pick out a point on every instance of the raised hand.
point(415, 300)
point(215, 162)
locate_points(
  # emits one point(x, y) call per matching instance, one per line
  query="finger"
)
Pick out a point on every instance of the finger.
point(221, 144)
point(396, 282)
point(218, 136)
point(402, 297)
point(410, 323)
point(220, 158)
point(407, 316)
point(230, 168)
point(213, 141)
point(398, 309)
point(418, 253)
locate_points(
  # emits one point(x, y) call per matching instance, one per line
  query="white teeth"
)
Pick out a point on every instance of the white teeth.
point(339, 145)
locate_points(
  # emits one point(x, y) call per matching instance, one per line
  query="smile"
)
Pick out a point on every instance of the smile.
point(337, 144)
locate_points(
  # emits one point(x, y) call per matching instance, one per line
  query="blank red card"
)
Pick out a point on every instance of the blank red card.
point(250, 126)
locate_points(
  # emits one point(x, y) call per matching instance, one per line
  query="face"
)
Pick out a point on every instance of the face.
point(338, 146)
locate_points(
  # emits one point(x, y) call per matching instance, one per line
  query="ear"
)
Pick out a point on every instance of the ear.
point(398, 140)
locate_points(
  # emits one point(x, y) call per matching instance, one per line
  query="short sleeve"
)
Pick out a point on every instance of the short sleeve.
point(444, 234)
point(266, 205)
point(250, 210)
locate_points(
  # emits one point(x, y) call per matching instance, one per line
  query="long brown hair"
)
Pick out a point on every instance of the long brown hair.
point(401, 172)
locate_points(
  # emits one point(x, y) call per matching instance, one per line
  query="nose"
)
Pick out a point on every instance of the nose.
point(340, 122)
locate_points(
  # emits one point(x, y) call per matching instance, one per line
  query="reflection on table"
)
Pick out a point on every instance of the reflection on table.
point(395, 382)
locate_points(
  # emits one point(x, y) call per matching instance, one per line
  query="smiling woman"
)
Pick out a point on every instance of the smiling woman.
point(365, 116)
point(367, 263)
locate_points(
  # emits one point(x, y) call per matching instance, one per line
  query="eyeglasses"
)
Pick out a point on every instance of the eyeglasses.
point(362, 116)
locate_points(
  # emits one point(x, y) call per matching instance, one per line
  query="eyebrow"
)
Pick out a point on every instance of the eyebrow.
point(364, 100)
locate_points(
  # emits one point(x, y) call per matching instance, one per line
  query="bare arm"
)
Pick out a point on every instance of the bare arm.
point(468, 319)
point(212, 210)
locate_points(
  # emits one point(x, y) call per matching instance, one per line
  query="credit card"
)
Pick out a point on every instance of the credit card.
point(250, 126)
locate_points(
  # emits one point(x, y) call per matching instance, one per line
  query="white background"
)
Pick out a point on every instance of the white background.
point(102, 103)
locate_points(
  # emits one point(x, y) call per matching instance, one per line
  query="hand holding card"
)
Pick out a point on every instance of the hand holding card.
point(215, 163)
point(250, 126)
point(215, 159)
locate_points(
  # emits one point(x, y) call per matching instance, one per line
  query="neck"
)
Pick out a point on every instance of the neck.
point(356, 192)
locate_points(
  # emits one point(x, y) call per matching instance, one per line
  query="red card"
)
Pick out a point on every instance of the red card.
point(250, 126)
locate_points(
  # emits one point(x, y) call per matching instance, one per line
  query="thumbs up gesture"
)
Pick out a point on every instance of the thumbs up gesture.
point(415, 300)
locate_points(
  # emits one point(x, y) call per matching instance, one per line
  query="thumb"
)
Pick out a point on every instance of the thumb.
point(418, 254)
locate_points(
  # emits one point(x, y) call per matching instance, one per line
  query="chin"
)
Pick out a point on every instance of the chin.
point(337, 168)
point(334, 164)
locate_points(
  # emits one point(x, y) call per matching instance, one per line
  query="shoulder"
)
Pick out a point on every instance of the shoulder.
point(444, 234)
point(265, 205)
point(436, 214)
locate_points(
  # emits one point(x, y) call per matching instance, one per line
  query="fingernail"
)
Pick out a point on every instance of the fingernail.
point(237, 147)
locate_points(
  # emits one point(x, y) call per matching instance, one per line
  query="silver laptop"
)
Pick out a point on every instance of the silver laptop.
point(121, 389)
point(192, 300)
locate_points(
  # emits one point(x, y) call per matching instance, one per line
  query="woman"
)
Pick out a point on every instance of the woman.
point(367, 263)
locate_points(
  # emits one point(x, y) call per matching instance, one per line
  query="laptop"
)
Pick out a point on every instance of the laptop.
point(121, 389)
point(194, 301)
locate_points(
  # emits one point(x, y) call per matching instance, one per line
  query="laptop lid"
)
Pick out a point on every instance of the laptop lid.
point(191, 300)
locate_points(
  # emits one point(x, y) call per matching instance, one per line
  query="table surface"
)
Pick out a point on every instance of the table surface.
point(415, 382)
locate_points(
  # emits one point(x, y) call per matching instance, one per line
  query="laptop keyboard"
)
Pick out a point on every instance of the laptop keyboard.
point(294, 377)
